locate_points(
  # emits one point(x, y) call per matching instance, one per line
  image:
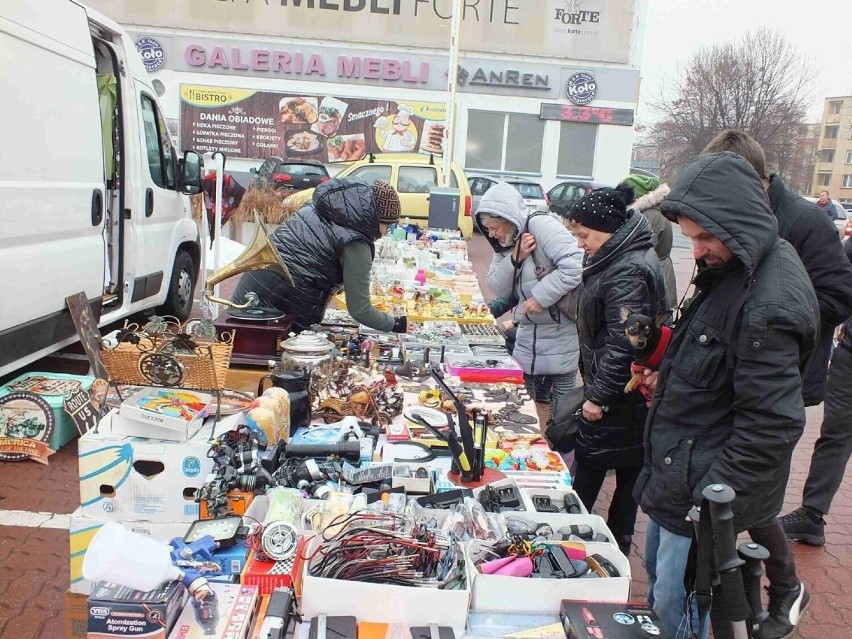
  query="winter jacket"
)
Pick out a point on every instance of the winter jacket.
point(648, 205)
point(728, 406)
point(546, 342)
point(815, 239)
point(624, 273)
point(829, 209)
point(311, 243)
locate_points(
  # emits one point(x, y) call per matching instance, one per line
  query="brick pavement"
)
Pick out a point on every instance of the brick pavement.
point(34, 561)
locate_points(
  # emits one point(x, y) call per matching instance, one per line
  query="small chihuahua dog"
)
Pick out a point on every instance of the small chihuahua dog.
point(649, 337)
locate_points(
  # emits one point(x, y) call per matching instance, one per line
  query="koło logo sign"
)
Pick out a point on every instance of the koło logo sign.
point(152, 53)
point(581, 88)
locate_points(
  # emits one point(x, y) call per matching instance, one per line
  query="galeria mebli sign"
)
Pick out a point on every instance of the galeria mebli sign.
point(594, 30)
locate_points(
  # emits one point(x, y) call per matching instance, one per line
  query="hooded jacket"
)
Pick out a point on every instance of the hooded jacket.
point(815, 239)
point(546, 342)
point(625, 272)
point(728, 407)
point(311, 243)
point(648, 205)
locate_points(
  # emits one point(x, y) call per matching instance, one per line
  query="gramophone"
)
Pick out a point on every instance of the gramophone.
point(258, 331)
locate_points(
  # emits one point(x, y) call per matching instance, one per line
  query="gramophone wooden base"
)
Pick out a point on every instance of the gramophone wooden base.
point(255, 342)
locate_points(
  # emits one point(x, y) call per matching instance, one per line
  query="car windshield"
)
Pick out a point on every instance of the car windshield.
point(302, 169)
point(268, 166)
point(529, 190)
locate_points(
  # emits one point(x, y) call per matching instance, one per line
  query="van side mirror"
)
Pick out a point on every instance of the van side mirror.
point(192, 166)
point(253, 170)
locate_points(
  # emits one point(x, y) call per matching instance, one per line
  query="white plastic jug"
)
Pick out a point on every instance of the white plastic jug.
point(128, 559)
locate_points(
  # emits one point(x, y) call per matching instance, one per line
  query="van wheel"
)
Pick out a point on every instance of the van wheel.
point(181, 288)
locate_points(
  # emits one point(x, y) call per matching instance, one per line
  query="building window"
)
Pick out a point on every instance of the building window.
point(576, 149)
point(831, 132)
point(835, 107)
point(847, 182)
point(848, 157)
point(824, 179)
point(828, 155)
point(504, 142)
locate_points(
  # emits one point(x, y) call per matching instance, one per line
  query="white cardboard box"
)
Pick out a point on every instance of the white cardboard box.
point(137, 421)
point(381, 603)
point(131, 479)
point(123, 425)
point(82, 529)
point(518, 594)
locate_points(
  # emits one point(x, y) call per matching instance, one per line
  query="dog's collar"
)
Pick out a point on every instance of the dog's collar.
point(657, 356)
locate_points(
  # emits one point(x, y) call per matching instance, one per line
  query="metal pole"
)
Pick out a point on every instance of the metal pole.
point(206, 307)
point(219, 157)
point(452, 81)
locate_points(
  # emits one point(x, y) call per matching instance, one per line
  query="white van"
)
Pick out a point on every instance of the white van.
point(92, 192)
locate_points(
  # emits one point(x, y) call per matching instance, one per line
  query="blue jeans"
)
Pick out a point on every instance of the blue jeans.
point(666, 555)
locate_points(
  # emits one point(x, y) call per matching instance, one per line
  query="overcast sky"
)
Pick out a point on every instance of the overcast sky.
point(678, 28)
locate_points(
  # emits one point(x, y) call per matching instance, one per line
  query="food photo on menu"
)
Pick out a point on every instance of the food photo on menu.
point(347, 148)
point(302, 142)
point(432, 140)
point(298, 110)
point(330, 115)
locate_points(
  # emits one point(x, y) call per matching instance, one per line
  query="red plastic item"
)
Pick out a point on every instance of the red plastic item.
point(492, 377)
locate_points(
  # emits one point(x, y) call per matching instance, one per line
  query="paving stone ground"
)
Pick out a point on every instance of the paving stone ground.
point(34, 561)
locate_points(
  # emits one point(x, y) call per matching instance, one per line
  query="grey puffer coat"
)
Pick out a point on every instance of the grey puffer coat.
point(624, 272)
point(546, 342)
point(728, 407)
point(648, 205)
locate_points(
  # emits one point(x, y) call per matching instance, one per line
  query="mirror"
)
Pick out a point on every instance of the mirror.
point(192, 167)
point(253, 170)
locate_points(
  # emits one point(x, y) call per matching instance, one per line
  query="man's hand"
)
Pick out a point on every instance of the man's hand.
point(650, 379)
point(410, 326)
point(531, 305)
point(524, 246)
point(591, 411)
point(507, 325)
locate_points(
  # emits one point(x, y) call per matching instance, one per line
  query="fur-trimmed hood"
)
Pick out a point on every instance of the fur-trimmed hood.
point(651, 200)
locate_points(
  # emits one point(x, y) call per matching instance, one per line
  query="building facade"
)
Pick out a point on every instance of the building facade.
point(546, 89)
point(834, 164)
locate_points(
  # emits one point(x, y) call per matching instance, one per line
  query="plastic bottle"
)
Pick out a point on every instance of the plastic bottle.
point(128, 559)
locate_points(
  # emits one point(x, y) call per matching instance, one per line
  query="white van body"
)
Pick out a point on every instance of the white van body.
point(120, 231)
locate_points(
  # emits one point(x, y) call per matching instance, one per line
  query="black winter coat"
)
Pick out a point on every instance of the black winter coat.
point(815, 239)
point(728, 407)
point(311, 244)
point(625, 272)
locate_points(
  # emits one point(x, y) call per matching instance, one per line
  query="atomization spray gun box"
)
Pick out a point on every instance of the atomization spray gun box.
point(116, 611)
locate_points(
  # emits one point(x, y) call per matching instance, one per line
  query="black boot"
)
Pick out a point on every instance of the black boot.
point(786, 606)
point(804, 525)
point(625, 543)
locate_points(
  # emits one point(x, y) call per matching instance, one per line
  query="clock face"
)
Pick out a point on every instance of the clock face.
point(220, 529)
point(161, 369)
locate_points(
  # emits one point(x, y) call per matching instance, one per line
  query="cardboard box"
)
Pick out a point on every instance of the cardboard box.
point(76, 615)
point(404, 477)
point(136, 479)
point(83, 529)
point(53, 388)
point(517, 594)
point(581, 619)
point(269, 575)
point(163, 413)
point(115, 611)
point(384, 603)
point(237, 611)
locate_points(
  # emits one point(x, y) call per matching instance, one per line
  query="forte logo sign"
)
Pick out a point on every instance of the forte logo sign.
point(572, 14)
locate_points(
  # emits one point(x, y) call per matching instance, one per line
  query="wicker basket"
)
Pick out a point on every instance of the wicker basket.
point(160, 360)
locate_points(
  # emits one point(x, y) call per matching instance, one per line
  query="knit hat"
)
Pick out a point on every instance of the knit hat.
point(642, 184)
point(387, 202)
point(601, 210)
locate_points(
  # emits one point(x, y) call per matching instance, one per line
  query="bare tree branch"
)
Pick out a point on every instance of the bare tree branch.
point(759, 84)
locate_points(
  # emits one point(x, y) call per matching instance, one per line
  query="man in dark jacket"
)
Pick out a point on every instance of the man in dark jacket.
point(825, 205)
point(328, 245)
point(728, 405)
point(833, 448)
point(815, 239)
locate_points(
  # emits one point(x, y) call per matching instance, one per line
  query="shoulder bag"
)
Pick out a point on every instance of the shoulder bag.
point(562, 428)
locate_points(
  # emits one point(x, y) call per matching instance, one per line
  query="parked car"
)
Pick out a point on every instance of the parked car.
point(840, 218)
point(532, 192)
point(413, 175)
point(288, 175)
point(564, 194)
